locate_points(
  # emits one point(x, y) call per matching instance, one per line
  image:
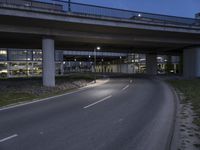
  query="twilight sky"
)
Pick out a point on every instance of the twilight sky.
point(185, 8)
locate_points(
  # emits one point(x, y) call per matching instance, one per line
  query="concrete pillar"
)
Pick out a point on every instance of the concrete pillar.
point(151, 64)
point(191, 62)
point(48, 62)
point(62, 68)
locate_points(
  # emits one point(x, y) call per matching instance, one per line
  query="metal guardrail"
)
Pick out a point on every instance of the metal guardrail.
point(85, 9)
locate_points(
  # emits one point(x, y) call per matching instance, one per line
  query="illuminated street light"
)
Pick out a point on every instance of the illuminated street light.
point(69, 5)
point(95, 61)
point(98, 48)
point(139, 15)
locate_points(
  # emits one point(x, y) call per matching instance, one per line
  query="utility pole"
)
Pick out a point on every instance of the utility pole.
point(95, 61)
point(69, 5)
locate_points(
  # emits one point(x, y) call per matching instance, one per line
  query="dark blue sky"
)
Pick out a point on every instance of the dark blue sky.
point(185, 8)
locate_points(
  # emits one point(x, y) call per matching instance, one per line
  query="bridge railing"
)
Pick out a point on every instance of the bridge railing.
point(85, 9)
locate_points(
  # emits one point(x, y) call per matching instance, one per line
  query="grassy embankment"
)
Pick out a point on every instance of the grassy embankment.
point(191, 90)
point(23, 89)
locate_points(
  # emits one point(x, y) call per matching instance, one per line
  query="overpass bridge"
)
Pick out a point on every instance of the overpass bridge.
point(35, 24)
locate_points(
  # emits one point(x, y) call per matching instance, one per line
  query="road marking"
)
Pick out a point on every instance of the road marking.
point(39, 100)
point(8, 138)
point(125, 87)
point(98, 102)
point(49, 98)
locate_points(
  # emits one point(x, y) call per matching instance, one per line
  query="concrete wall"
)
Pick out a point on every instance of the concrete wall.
point(151, 64)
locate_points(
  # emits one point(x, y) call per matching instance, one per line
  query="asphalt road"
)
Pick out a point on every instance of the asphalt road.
point(117, 115)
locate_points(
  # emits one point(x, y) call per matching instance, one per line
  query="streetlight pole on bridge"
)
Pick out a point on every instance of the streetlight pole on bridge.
point(69, 5)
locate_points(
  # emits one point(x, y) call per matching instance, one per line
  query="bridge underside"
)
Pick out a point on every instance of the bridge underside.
point(24, 32)
point(29, 28)
point(18, 40)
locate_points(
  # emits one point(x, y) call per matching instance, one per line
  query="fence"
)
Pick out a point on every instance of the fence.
point(85, 9)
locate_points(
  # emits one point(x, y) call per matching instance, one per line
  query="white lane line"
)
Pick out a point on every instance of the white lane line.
point(125, 87)
point(39, 100)
point(49, 98)
point(8, 138)
point(98, 102)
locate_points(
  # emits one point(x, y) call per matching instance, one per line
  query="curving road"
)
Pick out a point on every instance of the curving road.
point(117, 115)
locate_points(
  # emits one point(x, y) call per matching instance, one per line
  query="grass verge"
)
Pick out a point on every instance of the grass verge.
point(191, 90)
point(26, 89)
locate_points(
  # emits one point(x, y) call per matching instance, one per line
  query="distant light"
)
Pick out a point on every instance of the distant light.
point(102, 60)
point(89, 56)
point(3, 52)
point(98, 48)
point(132, 60)
point(120, 57)
point(139, 15)
point(74, 59)
point(64, 62)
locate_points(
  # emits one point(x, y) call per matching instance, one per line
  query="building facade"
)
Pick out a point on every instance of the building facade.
point(28, 62)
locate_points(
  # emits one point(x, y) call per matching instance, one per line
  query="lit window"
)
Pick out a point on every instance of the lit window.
point(3, 52)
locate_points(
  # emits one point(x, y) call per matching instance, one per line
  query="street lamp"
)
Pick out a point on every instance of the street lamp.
point(95, 61)
point(120, 64)
point(69, 5)
point(139, 15)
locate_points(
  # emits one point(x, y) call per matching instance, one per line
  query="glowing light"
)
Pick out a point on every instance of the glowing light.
point(3, 52)
point(98, 48)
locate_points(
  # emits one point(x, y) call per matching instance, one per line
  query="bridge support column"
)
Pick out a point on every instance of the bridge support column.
point(191, 62)
point(48, 62)
point(151, 64)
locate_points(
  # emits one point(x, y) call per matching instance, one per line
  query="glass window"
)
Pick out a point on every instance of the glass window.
point(58, 55)
point(37, 55)
point(3, 55)
point(37, 68)
point(16, 54)
point(3, 69)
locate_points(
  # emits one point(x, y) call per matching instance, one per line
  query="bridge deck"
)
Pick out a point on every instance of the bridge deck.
point(77, 8)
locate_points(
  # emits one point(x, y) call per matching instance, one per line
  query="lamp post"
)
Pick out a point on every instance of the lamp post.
point(95, 61)
point(69, 5)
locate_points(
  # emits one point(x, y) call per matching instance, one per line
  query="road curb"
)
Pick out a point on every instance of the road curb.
point(174, 136)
